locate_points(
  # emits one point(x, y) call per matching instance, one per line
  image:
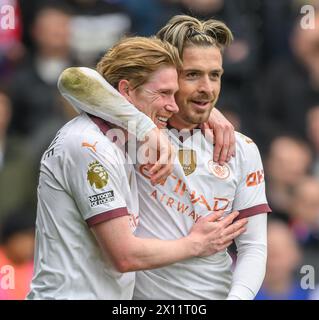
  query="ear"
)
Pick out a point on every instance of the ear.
point(124, 89)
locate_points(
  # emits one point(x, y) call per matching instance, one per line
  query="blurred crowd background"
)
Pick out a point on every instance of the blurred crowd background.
point(270, 92)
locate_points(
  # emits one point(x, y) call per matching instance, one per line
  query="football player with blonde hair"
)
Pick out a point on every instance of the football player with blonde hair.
point(87, 195)
point(199, 185)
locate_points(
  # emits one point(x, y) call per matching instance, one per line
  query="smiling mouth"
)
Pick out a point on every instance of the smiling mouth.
point(162, 120)
point(201, 104)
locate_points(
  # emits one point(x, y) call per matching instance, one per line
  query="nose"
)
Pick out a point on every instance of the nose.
point(172, 106)
point(205, 85)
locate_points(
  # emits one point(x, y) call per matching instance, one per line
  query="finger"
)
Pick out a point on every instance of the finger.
point(161, 175)
point(234, 228)
point(164, 159)
point(232, 146)
point(215, 216)
point(240, 223)
point(155, 168)
point(239, 232)
point(218, 139)
point(166, 155)
point(225, 246)
point(229, 219)
point(208, 132)
point(232, 236)
point(225, 148)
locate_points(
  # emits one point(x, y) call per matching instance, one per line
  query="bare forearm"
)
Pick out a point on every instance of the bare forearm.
point(153, 253)
point(130, 253)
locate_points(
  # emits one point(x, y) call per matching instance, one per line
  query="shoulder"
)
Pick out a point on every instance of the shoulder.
point(247, 153)
point(82, 135)
point(81, 139)
point(245, 146)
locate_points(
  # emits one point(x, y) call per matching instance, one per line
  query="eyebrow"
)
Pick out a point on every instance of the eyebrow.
point(219, 70)
point(198, 70)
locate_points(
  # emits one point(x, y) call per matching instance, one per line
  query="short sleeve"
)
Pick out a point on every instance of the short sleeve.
point(250, 198)
point(95, 177)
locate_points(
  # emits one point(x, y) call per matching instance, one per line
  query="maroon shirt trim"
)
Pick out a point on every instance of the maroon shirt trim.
point(252, 211)
point(103, 125)
point(108, 215)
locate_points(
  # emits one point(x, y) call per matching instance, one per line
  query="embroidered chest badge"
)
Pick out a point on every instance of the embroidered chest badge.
point(188, 160)
point(221, 172)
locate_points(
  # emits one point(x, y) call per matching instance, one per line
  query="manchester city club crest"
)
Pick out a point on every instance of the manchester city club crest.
point(97, 175)
point(221, 172)
point(188, 160)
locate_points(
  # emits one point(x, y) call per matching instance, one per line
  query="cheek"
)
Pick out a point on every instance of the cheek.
point(185, 92)
point(180, 99)
point(155, 106)
point(146, 108)
point(217, 87)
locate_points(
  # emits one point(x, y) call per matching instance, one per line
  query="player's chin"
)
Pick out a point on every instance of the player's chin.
point(199, 117)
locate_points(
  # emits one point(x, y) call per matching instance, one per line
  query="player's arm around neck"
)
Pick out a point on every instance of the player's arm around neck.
point(130, 253)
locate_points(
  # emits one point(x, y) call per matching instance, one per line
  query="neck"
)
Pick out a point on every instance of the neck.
point(178, 123)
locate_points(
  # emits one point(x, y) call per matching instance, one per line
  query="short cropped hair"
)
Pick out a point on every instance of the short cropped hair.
point(183, 31)
point(135, 59)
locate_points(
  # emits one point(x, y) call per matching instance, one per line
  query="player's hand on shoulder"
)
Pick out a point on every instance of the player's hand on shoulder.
point(222, 133)
point(161, 155)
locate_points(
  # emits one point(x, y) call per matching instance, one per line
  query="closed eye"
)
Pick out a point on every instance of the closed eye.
point(167, 93)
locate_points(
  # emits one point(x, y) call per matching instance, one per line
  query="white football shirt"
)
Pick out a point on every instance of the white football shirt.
point(197, 187)
point(84, 180)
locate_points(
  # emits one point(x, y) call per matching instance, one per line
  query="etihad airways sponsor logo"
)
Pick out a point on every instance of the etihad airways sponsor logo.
point(183, 201)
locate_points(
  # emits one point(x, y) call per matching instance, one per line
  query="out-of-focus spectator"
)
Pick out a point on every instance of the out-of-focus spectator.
point(305, 220)
point(17, 169)
point(95, 26)
point(290, 87)
point(16, 251)
point(276, 20)
point(284, 258)
point(313, 136)
point(304, 211)
point(5, 118)
point(148, 16)
point(11, 47)
point(37, 108)
point(288, 161)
